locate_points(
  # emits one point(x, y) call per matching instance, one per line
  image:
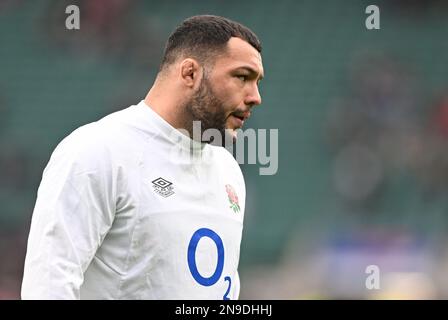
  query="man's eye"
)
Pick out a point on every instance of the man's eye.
point(242, 78)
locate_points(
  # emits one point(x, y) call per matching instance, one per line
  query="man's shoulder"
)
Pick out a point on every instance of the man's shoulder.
point(224, 155)
point(105, 131)
point(85, 145)
point(104, 137)
point(227, 160)
point(95, 134)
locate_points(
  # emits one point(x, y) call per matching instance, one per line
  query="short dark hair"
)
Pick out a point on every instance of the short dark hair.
point(203, 37)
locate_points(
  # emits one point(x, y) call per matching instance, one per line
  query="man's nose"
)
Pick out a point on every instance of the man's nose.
point(254, 97)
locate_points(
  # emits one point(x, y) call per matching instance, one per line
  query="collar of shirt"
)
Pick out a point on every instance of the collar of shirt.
point(151, 118)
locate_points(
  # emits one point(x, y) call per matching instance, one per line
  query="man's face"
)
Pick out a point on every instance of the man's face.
point(227, 94)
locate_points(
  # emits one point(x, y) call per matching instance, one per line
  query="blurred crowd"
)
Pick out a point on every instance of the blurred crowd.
point(384, 130)
point(108, 30)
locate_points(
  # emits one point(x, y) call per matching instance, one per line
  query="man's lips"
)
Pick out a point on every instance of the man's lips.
point(238, 121)
point(243, 115)
point(238, 118)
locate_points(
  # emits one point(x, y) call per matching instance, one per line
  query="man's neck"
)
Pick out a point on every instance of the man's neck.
point(170, 109)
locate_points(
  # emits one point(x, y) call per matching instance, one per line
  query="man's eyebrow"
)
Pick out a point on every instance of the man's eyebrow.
point(251, 70)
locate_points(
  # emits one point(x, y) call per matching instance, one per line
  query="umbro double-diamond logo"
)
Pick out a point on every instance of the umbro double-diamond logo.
point(163, 187)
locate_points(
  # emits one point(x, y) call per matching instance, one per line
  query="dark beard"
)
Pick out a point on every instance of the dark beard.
point(205, 107)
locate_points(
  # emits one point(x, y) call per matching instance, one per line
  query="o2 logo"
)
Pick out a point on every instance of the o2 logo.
point(198, 235)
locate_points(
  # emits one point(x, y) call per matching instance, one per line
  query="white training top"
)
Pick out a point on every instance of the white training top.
point(130, 208)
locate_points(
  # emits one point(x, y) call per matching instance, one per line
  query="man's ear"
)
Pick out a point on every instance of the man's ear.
point(190, 72)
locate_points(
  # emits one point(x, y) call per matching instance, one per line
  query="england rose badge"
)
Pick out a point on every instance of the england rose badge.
point(233, 198)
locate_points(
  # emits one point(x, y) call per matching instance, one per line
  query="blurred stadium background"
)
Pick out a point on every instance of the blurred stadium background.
point(362, 118)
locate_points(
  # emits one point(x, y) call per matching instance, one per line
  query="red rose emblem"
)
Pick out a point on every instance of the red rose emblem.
point(233, 198)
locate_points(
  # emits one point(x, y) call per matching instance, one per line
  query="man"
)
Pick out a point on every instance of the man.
point(131, 207)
